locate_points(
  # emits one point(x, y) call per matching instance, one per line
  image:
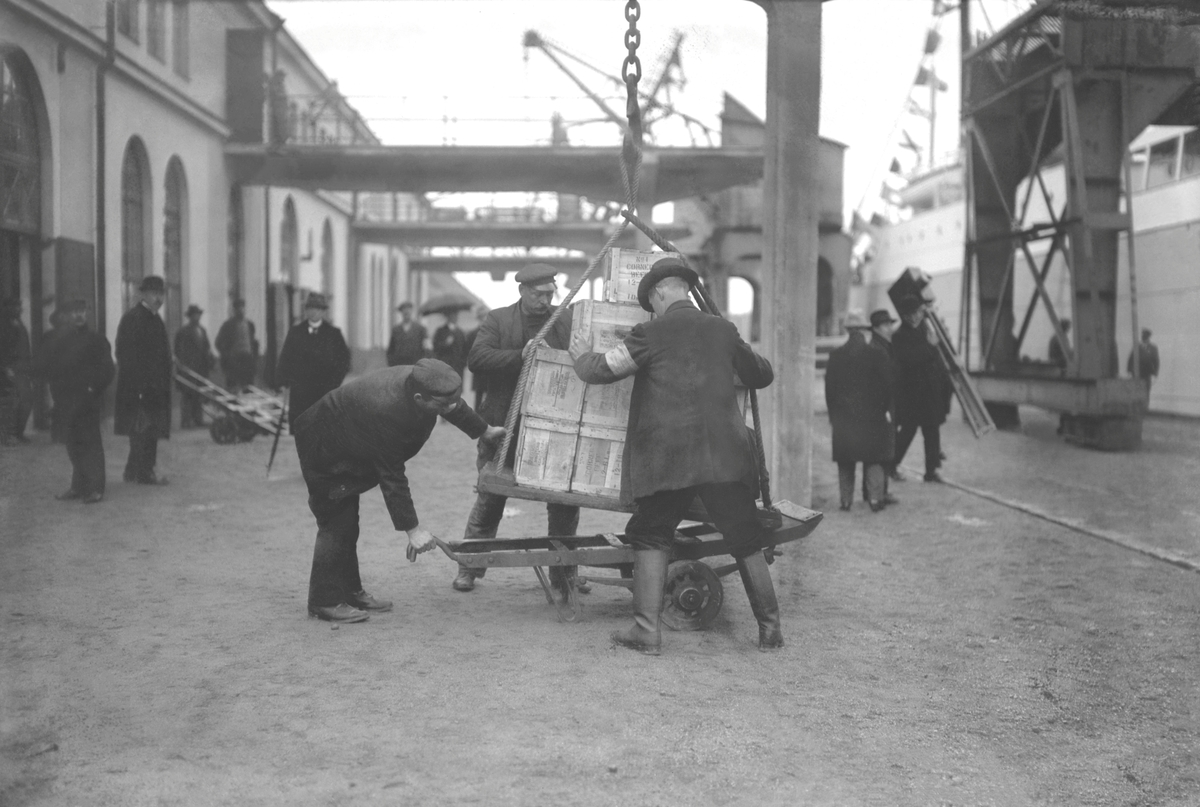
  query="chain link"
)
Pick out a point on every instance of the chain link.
point(631, 70)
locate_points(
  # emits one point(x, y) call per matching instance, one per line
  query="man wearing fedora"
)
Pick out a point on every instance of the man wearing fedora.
point(143, 405)
point(193, 351)
point(314, 358)
point(859, 396)
point(496, 357)
point(686, 438)
point(407, 345)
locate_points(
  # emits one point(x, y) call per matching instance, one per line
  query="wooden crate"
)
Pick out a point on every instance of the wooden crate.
point(552, 390)
point(598, 460)
point(607, 404)
point(625, 270)
point(605, 325)
point(546, 453)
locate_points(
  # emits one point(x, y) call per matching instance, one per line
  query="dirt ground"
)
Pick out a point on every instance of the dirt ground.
point(949, 651)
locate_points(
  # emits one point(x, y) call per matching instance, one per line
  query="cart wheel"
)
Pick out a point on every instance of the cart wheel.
point(245, 430)
point(224, 430)
point(692, 597)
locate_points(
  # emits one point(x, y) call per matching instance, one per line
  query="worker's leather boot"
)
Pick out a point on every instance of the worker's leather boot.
point(649, 578)
point(756, 577)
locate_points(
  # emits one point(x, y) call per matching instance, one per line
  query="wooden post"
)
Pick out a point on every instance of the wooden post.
point(789, 270)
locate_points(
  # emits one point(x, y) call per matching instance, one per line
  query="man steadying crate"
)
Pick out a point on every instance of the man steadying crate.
point(686, 438)
point(496, 357)
point(356, 437)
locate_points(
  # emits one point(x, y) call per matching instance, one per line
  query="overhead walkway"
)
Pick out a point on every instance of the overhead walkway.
point(584, 236)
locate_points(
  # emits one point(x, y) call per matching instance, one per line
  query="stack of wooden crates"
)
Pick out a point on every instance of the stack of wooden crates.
point(573, 434)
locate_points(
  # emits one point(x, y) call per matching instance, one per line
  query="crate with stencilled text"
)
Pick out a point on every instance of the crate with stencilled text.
point(546, 453)
point(552, 389)
point(604, 325)
point(625, 270)
point(598, 459)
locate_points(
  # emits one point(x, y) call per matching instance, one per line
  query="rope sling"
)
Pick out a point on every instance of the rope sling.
point(630, 164)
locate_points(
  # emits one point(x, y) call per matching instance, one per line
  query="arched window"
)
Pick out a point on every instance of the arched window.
point(135, 212)
point(174, 242)
point(236, 235)
point(21, 166)
point(289, 245)
point(327, 258)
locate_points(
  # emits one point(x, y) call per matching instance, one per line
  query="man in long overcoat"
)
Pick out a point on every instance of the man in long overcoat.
point(78, 366)
point(883, 324)
point(407, 345)
point(238, 348)
point(450, 343)
point(314, 358)
point(496, 357)
point(359, 436)
point(858, 394)
point(193, 352)
point(143, 409)
point(686, 438)
point(922, 387)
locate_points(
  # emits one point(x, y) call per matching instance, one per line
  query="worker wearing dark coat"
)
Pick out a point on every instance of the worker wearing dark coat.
point(496, 357)
point(15, 358)
point(144, 382)
point(407, 345)
point(359, 436)
point(922, 388)
point(883, 324)
point(193, 351)
point(314, 359)
point(450, 343)
point(858, 394)
point(686, 438)
point(79, 368)
point(238, 346)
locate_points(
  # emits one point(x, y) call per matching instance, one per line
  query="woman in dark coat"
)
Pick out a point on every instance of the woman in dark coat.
point(143, 406)
point(858, 393)
point(314, 359)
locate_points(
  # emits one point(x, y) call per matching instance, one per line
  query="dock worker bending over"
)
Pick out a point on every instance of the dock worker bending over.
point(686, 438)
point(356, 437)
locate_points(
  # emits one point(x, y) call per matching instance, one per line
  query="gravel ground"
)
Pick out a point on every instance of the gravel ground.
point(949, 651)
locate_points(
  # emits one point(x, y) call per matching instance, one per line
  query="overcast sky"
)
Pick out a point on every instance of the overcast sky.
point(455, 71)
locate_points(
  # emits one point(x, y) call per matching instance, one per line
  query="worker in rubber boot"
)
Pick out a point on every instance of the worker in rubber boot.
point(686, 438)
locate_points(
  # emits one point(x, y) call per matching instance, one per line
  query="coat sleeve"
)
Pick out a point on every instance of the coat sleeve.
point(487, 355)
point(223, 337)
point(341, 352)
point(467, 420)
point(393, 345)
point(620, 362)
point(832, 380)
point(286, 360)
point(393, 483)
point(754, 370)
point(102, 364)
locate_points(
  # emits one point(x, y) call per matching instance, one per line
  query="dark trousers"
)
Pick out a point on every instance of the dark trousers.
point(873, 482)
point(23, 404)
point(484, 520)
point(730, 505)
point(933, 444)
point(191, 410)
point(334, 575)
point(85, 449)
point(239, 370)
point(143, 455)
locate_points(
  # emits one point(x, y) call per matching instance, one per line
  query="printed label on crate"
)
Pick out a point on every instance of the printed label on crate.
point(604, 324)
point(626, 268)
point(598, 461)
point(546, 453)
point(552, 390)
point(608, 404)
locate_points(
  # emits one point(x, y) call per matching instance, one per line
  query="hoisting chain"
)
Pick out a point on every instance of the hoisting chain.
point(631, 73)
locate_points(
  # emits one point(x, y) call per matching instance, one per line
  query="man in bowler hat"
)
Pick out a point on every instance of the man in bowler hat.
point(686, 438)
point(193, 351)
point(314, 358)
point(356, 437)
point(143, 409)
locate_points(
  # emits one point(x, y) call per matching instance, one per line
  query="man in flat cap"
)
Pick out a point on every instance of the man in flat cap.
point(193, 351)
point(356, 437)
point(407, 345)
point(79, 367)
point(495, 358)
point(238, 347)
point(314, 358)
point(858, 393)
point(686, 438)
point(143, 410)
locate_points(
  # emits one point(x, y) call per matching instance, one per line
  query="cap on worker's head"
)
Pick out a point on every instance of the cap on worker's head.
point(71, 306)
point(152, 283)
point(193, 309)
point(434, 377)
point(1146, 334)
point(670, 266)
point(881, 317)
point(855, 320)
point(404, 305)
point(537, 273)
point(316, 300)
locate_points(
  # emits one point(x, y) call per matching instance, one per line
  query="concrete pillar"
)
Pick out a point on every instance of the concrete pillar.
point(790, 213)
